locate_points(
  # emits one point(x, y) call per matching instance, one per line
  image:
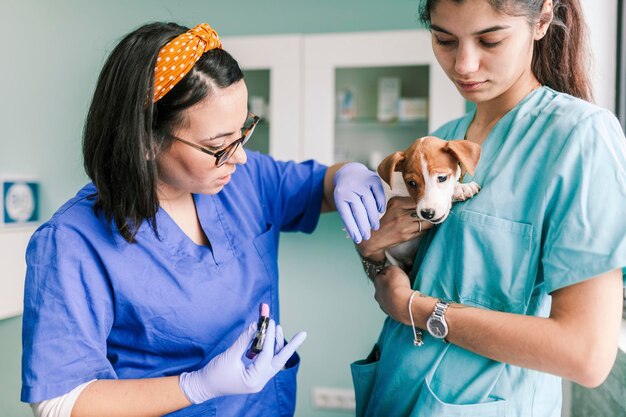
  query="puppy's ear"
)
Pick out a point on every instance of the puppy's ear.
point(466, 152)
point(388, 166)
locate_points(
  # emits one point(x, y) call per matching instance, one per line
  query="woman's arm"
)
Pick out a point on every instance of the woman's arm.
point(226, 374)
point(106, 401)
point(578, 341)
point(130, 397)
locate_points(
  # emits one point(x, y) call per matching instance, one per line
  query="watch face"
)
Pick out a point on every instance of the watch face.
point(437, 328)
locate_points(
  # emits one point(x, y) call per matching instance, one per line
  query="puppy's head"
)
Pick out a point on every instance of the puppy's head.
point(430, 167)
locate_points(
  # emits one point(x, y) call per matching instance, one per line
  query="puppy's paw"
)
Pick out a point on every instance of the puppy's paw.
point(464, 192)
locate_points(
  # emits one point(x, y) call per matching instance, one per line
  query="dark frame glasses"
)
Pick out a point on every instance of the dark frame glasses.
point(224, 155)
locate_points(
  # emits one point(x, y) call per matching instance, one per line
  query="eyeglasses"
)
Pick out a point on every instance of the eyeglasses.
point(224, 155)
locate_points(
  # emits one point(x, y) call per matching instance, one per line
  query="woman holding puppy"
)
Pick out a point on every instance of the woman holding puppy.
point(522, 284)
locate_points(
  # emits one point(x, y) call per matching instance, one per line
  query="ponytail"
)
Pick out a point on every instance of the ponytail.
point(561, 58)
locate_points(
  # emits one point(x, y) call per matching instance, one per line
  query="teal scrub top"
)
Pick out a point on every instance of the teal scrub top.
point(550, 214)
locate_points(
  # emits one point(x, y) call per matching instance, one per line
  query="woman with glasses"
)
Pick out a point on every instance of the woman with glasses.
point(141, 290)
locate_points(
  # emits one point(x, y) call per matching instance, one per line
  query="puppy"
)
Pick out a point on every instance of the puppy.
point(428, 171)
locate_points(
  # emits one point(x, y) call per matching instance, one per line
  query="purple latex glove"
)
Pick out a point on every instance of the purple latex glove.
point(227, 374)
point(280, 339)
point(360, 199)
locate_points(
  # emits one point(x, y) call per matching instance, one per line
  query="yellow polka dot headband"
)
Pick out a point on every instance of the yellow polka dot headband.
point(179, 56)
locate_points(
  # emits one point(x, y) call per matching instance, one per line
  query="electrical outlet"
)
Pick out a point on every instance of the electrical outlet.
point(333, 399)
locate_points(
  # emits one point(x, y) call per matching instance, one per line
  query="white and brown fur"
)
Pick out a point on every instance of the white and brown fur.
point(428, 171)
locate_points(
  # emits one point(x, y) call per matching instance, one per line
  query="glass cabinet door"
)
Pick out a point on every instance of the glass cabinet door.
point(379, 110)
point(367, 95)
point(272, 68)
point(258, 83)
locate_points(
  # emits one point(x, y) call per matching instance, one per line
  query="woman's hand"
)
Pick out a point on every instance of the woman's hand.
point(227, 374)
point(392, 292)
point(359, 198)
point(398, 225)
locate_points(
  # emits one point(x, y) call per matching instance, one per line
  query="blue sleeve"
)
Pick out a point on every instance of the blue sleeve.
point(292, 191)
point(67, 316)
point(585, 225)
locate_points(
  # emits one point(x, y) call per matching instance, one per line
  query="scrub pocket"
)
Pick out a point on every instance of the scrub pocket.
point(363, 377)
point(429, 405)
point(493, 269)
point(286, 386)
point(266, 245)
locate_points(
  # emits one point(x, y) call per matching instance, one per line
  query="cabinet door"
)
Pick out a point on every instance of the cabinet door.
point(332, 61)
point(273, 71)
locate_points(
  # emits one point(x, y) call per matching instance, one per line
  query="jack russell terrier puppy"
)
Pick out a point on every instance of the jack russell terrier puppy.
point(428, 171)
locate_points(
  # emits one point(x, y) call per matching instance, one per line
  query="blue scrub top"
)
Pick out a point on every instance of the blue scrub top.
point(550, 214)
point(96, 306)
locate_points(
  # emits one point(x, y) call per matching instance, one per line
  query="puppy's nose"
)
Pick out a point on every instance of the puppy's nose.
point(427, 213)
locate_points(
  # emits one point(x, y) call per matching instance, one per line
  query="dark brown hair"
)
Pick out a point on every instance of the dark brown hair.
point(561, 58)
point(125, 131)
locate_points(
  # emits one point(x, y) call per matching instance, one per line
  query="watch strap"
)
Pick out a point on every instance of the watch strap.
point(439, 313)
point(440, 308)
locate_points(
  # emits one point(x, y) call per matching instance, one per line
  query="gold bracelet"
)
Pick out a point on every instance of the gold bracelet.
point(417, 333)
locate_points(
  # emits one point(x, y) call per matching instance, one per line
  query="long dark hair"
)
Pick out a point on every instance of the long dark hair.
point(561, 58)
point(125, 131)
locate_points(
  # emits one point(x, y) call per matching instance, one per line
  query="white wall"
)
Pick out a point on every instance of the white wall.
point(601, 16)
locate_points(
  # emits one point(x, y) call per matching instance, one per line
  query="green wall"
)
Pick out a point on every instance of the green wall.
point(52, 53)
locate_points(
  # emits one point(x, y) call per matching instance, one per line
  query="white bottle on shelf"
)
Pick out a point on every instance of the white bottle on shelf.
point(388, 96)
point(412, 108)
point(346, 106)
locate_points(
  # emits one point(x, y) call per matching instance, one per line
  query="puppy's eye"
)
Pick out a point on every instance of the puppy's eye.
point(442, 178)
point(412, 184)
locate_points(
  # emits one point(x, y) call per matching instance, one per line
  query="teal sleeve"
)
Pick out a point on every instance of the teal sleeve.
point(585, 226)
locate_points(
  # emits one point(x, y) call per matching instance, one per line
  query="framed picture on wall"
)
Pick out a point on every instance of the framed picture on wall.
point(620, 104)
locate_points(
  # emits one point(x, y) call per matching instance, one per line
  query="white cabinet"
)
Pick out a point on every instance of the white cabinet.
point(280, 55)
point(325, 54)
point(305, 72)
